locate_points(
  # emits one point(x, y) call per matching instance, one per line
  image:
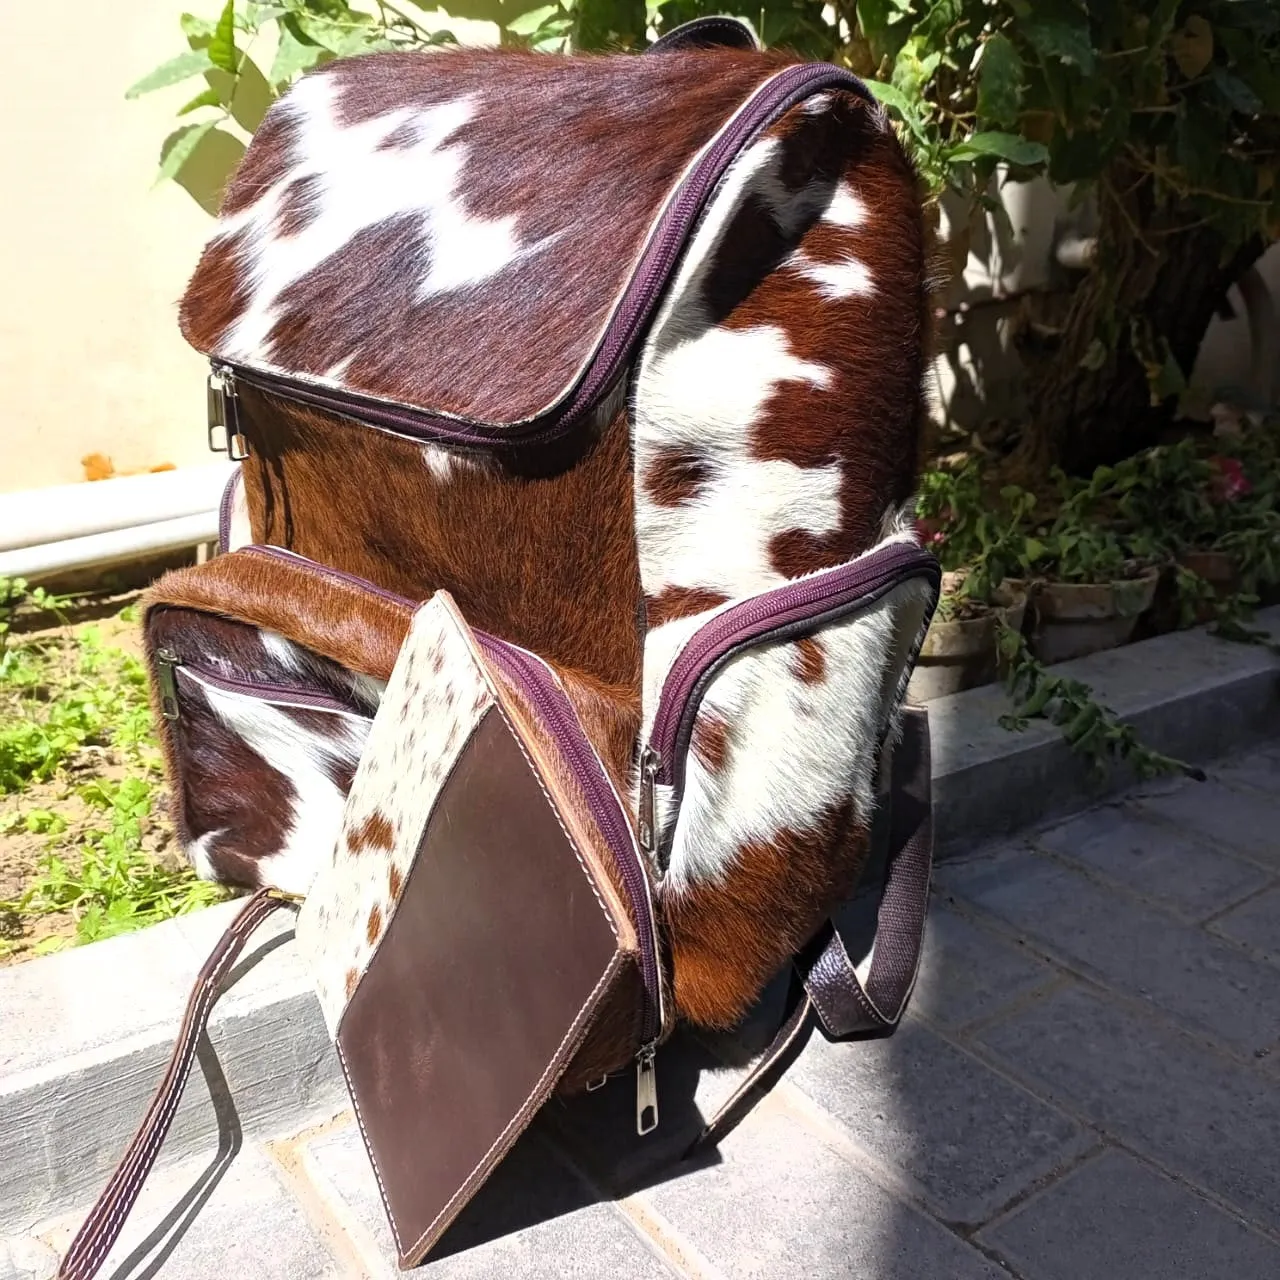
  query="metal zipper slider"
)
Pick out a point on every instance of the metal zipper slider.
point(166, 663)
point(650, 764)
point(224, 414)
point(646, 1090)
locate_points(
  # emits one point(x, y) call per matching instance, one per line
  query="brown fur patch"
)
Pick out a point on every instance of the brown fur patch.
point(810, 665)
point(356, 629)
point(373, 930)
point(375, 832)
point(352, 981)
point(680, 602)
point(547, 562)
point(728, 939)
point(710, 741)
point(674, 477)
point(395, 882)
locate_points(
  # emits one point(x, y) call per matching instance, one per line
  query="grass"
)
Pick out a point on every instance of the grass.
point(86, 849)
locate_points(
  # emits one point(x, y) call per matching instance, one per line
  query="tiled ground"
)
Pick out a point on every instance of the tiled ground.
point(1087, 1088)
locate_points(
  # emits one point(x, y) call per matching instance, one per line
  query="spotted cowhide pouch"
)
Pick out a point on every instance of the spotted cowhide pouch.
point(484, 918)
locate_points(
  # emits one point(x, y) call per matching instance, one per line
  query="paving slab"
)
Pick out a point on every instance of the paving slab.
point(1193, 1111)
point(1133, 948)
point(1114, 1217)
point(1258, 769)
point(1244, 820)
point(534, 1219)
point(1155, 860)
point(965, 1138)
point(229, 1217)
point(1255, 924)
point(968, 972)
point(1187, 694)
point(778, 1203)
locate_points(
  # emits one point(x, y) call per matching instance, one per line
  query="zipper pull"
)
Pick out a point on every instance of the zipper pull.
point(646, 1090)
point(224, 414)
point(650, 764)
point(166, 663)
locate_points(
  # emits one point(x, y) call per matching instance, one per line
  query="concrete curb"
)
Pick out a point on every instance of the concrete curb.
point(85, 1034)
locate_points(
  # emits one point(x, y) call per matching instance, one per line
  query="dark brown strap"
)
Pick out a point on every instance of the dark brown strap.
point(826, 982)
point(106, 1219)
point(707, 33)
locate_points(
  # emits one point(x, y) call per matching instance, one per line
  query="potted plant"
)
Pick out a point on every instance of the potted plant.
point(974, 541)
point(1089, 588)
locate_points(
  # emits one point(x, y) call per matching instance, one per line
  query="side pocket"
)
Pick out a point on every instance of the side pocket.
point(758, 781)
point(262, 730)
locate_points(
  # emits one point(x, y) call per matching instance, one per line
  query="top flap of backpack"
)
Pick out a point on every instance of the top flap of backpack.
point(479, 234)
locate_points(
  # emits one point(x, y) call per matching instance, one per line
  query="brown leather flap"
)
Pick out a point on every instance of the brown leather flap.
point(484, 986)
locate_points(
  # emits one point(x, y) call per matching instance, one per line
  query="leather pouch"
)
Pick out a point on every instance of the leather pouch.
point(483, 912)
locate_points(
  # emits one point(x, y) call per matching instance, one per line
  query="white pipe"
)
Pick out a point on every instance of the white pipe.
point(36, 517)
point(114, 547)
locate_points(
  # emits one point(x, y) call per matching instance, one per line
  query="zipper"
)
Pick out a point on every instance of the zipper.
point(797, 608)
point(166, 677)
point(169, 665)
point(225, 509)
point(557, 714)
point(612, 354)
point(223, 402)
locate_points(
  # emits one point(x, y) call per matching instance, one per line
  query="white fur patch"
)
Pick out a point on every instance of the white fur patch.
point(700, 389)
point(796, 749)
point(436, 697)
point(305, 757)
point(847, 208)
point(835, 280)
point(361, 185)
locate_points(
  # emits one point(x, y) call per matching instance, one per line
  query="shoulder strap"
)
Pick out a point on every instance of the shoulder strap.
point(707, 33)
point(101, 1229)
point(825, 981)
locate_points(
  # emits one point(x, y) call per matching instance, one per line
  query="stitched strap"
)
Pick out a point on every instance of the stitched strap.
point(101, 1229)
point(707, 33)
point(825, 981)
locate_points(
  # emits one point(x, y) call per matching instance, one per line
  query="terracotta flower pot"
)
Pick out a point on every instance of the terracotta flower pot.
point(961, 653)
point(1072, 619)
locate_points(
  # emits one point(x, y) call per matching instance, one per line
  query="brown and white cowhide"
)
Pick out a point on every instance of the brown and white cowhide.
point(777, 407)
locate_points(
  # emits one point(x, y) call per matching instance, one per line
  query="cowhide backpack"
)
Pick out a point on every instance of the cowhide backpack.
point(577, 398)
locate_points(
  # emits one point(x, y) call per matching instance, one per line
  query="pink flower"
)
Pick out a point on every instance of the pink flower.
point(929, 532)
point(1230, 482)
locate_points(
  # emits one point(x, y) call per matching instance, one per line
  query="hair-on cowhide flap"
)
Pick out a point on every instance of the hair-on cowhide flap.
point(476, 234)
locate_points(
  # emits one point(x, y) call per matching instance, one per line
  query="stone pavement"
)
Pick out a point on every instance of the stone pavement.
point(1087, 1088)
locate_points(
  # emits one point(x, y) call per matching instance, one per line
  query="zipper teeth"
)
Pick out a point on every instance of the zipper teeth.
point(742, 625)
point(639, 299)
point(558, 714)
point(265, 691)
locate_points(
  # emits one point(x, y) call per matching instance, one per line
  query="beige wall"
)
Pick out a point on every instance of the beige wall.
point(92, 258)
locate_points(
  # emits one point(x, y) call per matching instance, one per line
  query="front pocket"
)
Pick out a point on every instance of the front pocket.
point(262, 740)
point(757, 780)
point(266, 672)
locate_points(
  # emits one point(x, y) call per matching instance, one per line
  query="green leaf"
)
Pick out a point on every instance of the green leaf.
point(1003, 146)
point(183, 67)
point(222, 48)
point(197, 27)
point(1062, 41)
point(294, 56)
point(178, 147)
point(527, 24)
point(1095, 357)
point(1000, 81)
point(891, 96)
point(205, 98)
